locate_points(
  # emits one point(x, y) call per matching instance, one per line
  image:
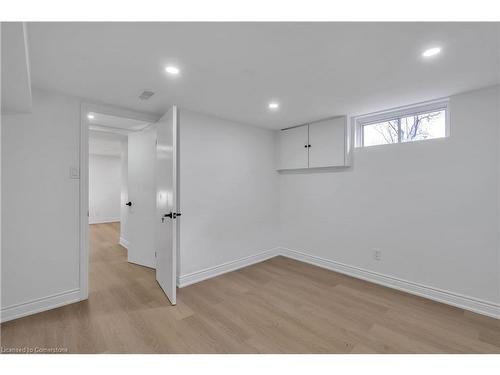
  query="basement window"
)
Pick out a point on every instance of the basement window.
point(407, 124)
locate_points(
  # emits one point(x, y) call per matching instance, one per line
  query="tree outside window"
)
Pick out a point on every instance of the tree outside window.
point(406, 129)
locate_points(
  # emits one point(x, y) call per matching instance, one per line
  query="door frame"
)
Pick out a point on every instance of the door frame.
point(85, 108)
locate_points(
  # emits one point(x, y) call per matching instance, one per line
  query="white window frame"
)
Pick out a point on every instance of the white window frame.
point(400, 112)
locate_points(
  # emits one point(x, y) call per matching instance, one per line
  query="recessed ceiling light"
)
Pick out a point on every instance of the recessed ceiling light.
point(173, 70)
point(273, 105)
point(90, 116)
point(431, 52)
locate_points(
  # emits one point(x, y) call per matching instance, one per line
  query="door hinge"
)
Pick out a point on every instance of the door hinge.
point(155, 254)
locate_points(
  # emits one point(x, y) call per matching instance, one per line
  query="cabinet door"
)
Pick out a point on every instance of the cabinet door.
point(293, 148)
point(327, 140)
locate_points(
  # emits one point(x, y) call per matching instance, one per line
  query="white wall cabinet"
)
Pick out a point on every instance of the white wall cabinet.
point(293, 150)
point(327, 143)
point(317, 145)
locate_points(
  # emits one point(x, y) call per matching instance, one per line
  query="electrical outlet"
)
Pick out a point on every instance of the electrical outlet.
point(377, 254)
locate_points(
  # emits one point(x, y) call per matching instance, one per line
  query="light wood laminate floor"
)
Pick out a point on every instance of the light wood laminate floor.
point(278, 306)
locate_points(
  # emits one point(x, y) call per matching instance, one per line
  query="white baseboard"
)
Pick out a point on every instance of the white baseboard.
point(124, 242)
point(210, 272)
point(39, 305)
point(465, 302)
point(104, 220)
point(449, 298)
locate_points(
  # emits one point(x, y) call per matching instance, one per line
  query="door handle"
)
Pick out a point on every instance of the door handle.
point(171, 215)
point(128, 204)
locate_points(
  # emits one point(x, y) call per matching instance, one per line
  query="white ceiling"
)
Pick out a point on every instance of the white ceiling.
point(232, 70)
point(116, 123)
point(107, 144)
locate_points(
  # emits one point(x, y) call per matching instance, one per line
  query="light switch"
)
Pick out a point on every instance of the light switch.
point(74, 173)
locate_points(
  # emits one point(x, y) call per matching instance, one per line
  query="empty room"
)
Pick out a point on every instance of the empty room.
point(250, 187)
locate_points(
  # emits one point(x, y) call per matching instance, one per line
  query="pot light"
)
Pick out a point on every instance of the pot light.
point(431, 52)
point(90, 116)
point(173, 70)
point(273, 105)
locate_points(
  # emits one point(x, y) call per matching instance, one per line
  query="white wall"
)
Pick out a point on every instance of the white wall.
point(40, 205)
point(15, 72)
point(1, 120)
point(431, 207)
point(124, 210)
point(228, 191)
point(105, 177)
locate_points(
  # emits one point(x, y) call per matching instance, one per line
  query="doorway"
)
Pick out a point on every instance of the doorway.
point(129, 196)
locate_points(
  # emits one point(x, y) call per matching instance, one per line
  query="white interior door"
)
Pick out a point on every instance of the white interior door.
point(167, 203)
point(142, 197)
